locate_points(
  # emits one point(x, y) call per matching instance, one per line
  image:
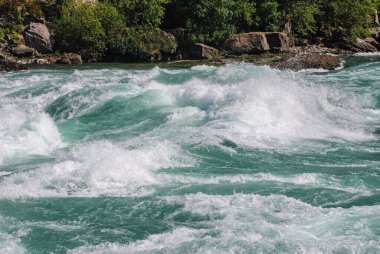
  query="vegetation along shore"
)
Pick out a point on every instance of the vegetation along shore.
point(293, 34)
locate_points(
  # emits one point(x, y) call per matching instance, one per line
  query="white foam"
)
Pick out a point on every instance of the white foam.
point(10, 244)
point(96, 169)
point(243, 223)
point(305, 180)
point(268, 110)
point(25, 131)
point(368, 54)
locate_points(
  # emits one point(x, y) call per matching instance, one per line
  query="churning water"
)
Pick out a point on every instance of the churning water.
point(233, 159)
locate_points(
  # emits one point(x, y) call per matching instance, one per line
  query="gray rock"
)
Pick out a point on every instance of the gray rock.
point(202, 51)
point(37, 36)
point(373, 42)
point(23, 51)
point(363, 46)
point(247, 43)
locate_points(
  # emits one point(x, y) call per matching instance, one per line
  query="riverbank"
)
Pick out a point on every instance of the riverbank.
point(309, 57)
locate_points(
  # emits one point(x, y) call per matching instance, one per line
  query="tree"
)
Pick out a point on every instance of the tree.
point(347, 18)
point(210, 21)
point(141, 13)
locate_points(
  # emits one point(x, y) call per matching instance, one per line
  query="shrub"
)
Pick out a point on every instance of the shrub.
point(149, 43)
point(90, 29)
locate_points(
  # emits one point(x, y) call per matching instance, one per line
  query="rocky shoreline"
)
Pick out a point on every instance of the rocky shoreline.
point(277, 50)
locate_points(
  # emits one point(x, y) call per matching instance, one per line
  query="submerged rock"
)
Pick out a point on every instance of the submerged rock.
point(37, 36)
point(309, 61)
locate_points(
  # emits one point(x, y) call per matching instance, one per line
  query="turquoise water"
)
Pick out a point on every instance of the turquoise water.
point(233, 159)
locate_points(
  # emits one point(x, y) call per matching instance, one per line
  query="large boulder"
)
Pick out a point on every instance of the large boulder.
point(37, 36)
point(23, 51)
point(247, 43)
point(202, 51)
point(278, 42)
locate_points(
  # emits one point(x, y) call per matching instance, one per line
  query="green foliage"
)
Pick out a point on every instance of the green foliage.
point(143, 43)
point(210, 21)
point(269, 16)
point(348, 18)
point(140, 13)
point(302, 14)
point(133, 28)
point(90, 29)
point(21, 8)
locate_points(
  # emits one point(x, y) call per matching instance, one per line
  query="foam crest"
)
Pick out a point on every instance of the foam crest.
point(25, 131)
point(268, 108)
point(97, 169)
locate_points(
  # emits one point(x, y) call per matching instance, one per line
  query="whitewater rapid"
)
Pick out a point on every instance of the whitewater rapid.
point(233, 159)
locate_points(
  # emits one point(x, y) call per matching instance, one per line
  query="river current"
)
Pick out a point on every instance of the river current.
point(233, 159)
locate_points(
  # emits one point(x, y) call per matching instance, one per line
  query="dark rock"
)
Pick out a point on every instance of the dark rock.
point(179, 34)
point(301, 42)
point(11, 66)
point(278, 42)
point(154, 56)
point(247, 43)
point(23, 51)
point(37, 36)
point(32, 19)
point(202, 51)
point(309, 61)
